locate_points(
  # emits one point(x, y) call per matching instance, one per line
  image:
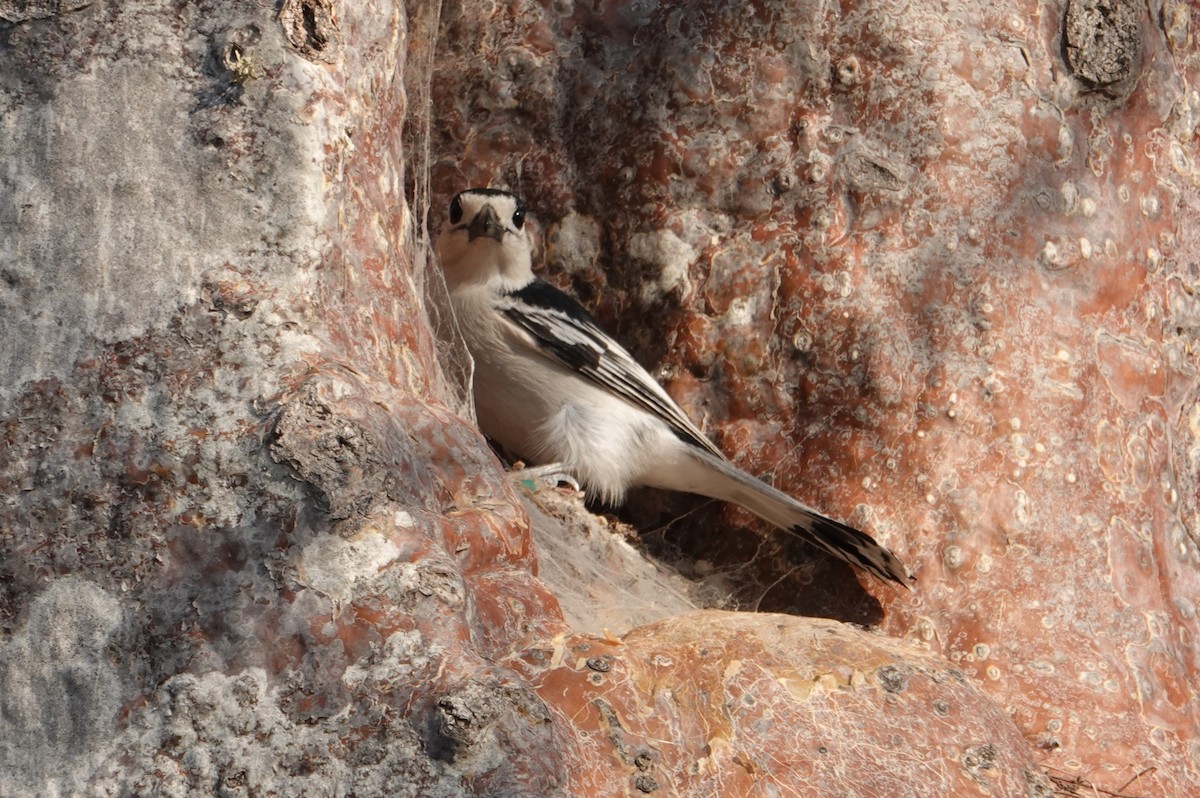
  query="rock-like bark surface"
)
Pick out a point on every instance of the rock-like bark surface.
point(930, 270)
point(931, 266)
point(247, 538)
point(719, 703)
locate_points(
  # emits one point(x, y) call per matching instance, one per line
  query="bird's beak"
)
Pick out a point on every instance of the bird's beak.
point(485, 223)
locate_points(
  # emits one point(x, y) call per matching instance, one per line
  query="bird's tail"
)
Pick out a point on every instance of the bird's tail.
point(731, 484)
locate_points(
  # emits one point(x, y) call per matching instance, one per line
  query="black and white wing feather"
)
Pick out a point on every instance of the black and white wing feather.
point(558, 327)
point(565, 332)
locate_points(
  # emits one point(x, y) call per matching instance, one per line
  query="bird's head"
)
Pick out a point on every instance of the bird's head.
point(484, 239)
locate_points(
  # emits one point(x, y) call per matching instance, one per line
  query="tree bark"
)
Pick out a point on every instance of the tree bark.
point(934, 272)
point(930, 266)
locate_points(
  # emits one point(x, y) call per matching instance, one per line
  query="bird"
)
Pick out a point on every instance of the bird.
point(554, 389)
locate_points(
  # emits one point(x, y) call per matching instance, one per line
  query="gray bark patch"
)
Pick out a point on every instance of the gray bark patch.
point(1102, 41)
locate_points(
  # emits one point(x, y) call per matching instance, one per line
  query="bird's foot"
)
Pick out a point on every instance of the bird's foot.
point(551, 475)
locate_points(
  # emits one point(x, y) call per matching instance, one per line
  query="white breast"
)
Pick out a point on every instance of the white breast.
point(543, 412)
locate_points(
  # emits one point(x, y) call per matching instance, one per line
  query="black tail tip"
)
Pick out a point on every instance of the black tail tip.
point(858, 549)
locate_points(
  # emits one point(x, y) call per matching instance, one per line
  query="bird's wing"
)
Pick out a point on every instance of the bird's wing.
point(562, 330)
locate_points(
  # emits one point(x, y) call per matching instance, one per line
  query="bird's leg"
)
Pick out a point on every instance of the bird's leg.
point(548, 475)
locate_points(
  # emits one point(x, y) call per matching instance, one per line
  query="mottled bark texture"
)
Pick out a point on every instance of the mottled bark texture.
point(931, 267)
point(248, 541)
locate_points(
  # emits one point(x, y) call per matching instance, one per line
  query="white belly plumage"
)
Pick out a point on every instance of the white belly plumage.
point(562, 418)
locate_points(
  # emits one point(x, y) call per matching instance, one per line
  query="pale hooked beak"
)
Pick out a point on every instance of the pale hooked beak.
point(485, 223)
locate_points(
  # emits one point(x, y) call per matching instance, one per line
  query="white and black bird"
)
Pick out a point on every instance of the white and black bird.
point(553, 388)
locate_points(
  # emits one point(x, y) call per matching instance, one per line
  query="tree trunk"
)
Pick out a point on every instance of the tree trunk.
point(934, 272)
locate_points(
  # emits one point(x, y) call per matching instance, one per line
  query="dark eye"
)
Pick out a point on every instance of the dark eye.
point(519, 218)
point(455, 211)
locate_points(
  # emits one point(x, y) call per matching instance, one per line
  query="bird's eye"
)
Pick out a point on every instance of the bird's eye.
point(519, 218)
point(455, 211)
